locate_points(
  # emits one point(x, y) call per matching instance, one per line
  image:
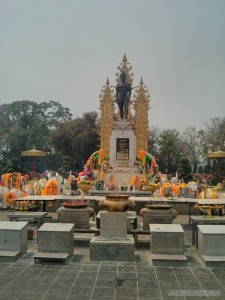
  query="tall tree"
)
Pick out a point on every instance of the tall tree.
point(215, 134)
point(25, 123)
point(191, 145)
point(184, 169)
point(76, 139)
point(169, 150)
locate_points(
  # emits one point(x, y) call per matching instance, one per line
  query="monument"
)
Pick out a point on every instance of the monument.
point(123, 125)
point(124, 132)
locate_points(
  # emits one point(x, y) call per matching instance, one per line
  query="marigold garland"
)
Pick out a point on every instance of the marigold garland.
point(100, 156)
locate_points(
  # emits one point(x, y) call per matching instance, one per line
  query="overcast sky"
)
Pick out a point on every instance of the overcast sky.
point(64, 50)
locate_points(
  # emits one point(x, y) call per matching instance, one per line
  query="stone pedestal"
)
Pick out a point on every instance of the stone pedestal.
point(80, 217)
point(55, 242)
point(13, 239)
point(211, 243)
point(131, 219)
point(56, 237)
point(156, 216)
point(102, 249)
point(113, 244)
point(167, 242)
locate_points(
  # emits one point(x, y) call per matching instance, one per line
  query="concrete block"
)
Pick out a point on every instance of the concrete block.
point(111, 250)
point(13, 236)
point(80, 217)
point(57, 237)
point(157, 216)
point(166, 239)
point(113, 224)
point(211, 240)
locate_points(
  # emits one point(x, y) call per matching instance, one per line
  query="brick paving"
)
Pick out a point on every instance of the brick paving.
point(91, 280)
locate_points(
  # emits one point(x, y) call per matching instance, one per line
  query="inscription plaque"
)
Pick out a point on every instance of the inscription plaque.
point(122, 149)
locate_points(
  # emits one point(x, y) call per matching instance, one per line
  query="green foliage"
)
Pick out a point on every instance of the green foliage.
point(77, 139)
point(214, 179)
point(65, 167)
point(169, 150)
point(12, 166)
point(184, 169)
point(25, 124)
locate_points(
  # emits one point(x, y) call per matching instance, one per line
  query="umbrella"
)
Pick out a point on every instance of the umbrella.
point(217, 155)
point(33, 153)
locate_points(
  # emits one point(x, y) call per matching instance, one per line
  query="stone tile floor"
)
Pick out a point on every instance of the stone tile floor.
point(90, 280)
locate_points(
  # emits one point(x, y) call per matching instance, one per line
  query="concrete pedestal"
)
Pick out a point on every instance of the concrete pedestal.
point(211, 243)
point(54, 240)
point(103, 249)
point(113, 243)
point(56, 237)
point(80, 217)
point(13, 239)
point(167, 242)
point(157, 216)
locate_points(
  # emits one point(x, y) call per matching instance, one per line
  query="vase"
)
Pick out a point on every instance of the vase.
point(151, 188)
point(117, 203)
point(85, 187)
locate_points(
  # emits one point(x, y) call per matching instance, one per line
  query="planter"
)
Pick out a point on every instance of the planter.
point(161, 211)
point(116, 203)
point(151, 188)
point(85, 187)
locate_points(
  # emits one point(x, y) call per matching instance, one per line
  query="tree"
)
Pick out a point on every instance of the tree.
point(184, 169)
point(169, 150)
point(154, 137)
point(213, 139)
point(76, 139)
point(65, 166)
point(24, 124)
point(214, 135)
point(191, 145)
point(12, 166)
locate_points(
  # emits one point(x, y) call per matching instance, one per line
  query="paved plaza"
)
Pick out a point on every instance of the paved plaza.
point(91, 280)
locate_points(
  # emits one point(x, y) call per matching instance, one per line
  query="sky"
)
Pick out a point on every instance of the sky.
point(64, 50)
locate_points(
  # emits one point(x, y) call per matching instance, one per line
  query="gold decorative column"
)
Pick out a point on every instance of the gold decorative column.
point(141, 107)
point(106, 120)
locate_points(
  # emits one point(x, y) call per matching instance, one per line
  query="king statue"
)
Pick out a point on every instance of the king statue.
point(123, 94)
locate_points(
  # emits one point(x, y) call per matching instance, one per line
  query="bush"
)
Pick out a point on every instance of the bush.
point(214, 180)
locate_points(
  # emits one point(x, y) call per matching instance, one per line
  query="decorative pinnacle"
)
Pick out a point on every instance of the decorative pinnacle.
point(124, 58)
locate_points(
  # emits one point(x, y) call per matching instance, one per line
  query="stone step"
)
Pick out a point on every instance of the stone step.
point(51, 256)
point(168, 260)
point(6, 255)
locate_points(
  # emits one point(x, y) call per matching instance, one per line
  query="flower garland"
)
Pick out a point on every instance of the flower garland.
point(101, 156)
point(147, 160)
point(168, 189)
point(11, 180)
point(51, 188)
